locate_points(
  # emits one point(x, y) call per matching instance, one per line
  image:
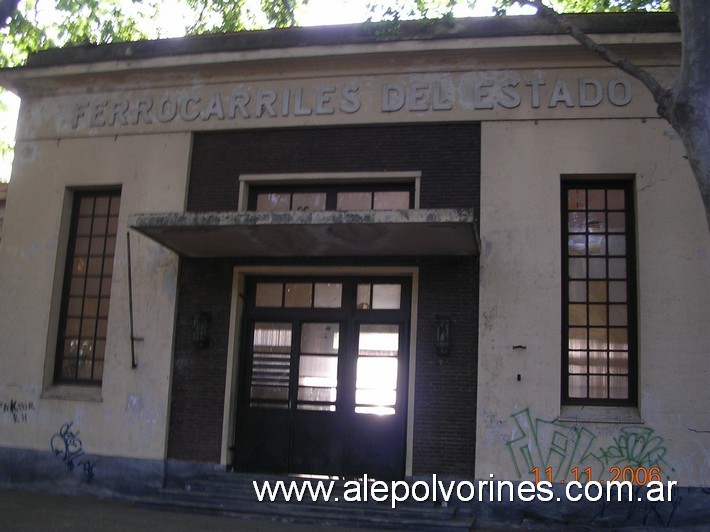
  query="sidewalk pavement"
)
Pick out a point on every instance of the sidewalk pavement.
point(31, 511)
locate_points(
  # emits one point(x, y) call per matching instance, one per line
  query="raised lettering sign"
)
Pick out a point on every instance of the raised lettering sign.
point(466, 93)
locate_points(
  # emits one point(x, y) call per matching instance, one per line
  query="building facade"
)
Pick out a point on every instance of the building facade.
point(464, 250)
point(3, 200)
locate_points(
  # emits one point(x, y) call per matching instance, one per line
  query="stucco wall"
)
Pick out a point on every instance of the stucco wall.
point(536, 125)
point(127, 415)
point(520, 302)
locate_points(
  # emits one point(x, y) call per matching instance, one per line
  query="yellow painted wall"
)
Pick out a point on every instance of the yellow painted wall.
point(520, 303)
point(127, 415)
point(524, 150)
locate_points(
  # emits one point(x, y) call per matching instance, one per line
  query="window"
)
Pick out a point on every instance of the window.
point(83, 321)
point(598, 293)
point(299, 295)
point(271, 370)
point(314, 339)
point(363, 197)
point(376, 379)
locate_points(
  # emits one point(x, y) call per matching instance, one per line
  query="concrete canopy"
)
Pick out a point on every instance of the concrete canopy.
point(310, 234)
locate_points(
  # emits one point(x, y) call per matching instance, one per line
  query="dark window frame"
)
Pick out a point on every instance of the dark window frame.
point(347, 315)
point(331, 191)
point(104, 280)
point(606, 182)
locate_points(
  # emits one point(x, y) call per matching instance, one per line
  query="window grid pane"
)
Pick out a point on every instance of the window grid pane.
point(329, 196)
point(298, 295)
point(271, 365)
point(318, 366)
point(597, 239)
point(376, 379)
point(83, 327)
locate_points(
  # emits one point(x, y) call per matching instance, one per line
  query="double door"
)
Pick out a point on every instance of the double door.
point(323, 383)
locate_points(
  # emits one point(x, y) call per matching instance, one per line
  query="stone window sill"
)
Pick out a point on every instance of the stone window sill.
point(73, 393)
point(600, 414)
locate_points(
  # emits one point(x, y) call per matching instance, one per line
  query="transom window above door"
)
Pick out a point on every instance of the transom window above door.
point(376, 296)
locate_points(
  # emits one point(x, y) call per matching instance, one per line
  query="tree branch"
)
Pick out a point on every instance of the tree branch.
point(660, 94)
point(694, 17)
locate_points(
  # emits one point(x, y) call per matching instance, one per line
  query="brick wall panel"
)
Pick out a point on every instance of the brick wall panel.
point(448, 155)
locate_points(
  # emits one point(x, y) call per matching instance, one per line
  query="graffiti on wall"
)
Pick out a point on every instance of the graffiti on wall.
point(18, 411)
point(66, 445)
point(558, 452)
point(568, 452)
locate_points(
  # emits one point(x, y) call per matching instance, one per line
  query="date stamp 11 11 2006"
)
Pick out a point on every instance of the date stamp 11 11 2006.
point(636, 475)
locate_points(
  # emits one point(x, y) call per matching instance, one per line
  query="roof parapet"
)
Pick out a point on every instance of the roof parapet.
point(363, 33)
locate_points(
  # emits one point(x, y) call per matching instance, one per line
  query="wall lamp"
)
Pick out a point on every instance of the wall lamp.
point(200, 329)
point(443, 330)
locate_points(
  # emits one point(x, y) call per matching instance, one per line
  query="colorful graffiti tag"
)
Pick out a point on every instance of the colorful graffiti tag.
point(568, 451)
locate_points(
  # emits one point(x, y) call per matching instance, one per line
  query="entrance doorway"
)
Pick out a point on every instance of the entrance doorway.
point(323, 381)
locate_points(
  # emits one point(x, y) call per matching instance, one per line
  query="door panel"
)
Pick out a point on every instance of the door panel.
point(324, 375)
point(318, 446)
point(316, 437)
point(378, 419)
point(265, 416)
